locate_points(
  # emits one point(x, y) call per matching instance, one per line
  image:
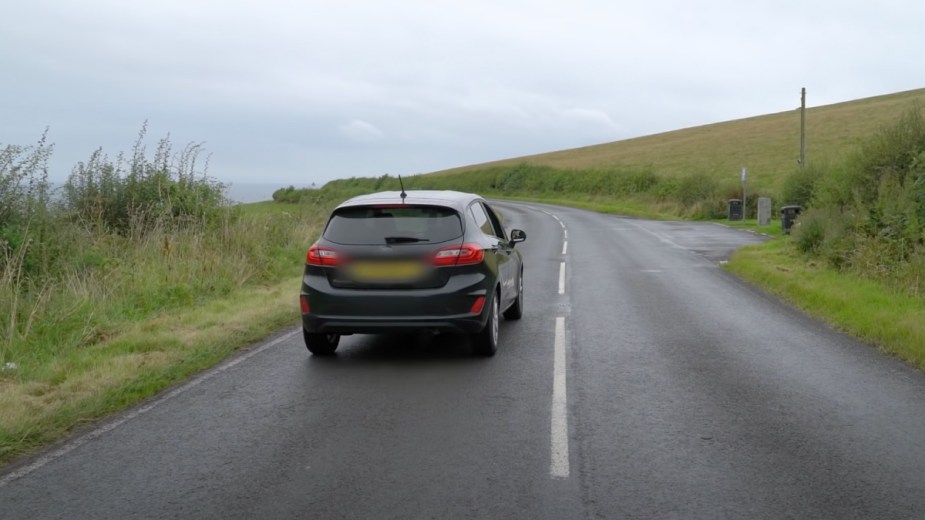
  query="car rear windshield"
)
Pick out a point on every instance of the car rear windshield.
point(368, 225)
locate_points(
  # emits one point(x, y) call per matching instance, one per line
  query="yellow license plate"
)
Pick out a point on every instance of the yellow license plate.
point(386, 271)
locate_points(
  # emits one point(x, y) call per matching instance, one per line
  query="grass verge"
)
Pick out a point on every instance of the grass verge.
point(886, 317)
point(136, 362)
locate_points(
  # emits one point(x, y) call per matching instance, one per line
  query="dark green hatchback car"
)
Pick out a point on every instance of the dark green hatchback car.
point(403, 262)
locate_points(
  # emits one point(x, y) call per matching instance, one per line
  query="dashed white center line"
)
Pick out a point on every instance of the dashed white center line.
point(559, 456)
point(562, 278)
point(559, 463)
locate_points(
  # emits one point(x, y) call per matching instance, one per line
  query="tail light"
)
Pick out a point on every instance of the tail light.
point(320, 255)
point(465, 254)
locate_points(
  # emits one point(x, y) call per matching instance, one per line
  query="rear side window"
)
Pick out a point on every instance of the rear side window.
point(486, 220)
point(371, 225)
point(481, 218)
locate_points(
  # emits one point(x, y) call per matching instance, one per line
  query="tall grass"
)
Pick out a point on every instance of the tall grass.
point(25, 222)
point(127, 239)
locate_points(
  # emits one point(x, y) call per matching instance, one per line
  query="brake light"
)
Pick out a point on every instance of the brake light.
point(465, 254)
point(320, 255)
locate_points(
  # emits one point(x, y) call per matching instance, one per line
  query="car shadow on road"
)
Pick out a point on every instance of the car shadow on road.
point(401, 348)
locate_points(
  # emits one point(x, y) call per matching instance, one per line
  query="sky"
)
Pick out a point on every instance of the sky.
point(302, 92)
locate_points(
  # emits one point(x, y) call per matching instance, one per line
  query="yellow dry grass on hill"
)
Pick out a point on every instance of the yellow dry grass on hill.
point(768, 145)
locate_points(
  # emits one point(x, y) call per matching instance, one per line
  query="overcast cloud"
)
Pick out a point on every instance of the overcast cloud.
point(297, 92)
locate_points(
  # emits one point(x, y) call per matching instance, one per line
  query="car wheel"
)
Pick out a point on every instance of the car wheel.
point(321, 344)
point(485, 343)
point(516, 310)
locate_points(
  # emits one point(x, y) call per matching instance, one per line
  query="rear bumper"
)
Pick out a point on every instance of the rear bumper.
point(352, 311)
point(469, 324)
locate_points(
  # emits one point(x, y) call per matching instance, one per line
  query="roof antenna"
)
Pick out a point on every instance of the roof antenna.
point(403, 194)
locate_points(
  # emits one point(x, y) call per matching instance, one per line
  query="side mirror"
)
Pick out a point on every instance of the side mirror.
point(517, 235)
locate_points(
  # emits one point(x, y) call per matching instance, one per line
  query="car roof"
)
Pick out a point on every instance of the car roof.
point(454, 199)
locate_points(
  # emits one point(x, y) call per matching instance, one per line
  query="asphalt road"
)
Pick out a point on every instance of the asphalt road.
point(642, 382)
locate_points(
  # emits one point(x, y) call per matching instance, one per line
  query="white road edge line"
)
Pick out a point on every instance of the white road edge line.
point(83, 439)
point(559, 463)
point(562, 278)
point(564, 248)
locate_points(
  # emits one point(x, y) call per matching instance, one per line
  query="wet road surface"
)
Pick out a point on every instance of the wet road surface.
point(642, 382)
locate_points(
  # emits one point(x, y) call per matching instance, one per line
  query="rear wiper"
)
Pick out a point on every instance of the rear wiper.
point(404, 240)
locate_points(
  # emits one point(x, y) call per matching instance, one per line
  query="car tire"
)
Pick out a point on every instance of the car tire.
point(485, 343)
point(516, 310)
point(320, 344)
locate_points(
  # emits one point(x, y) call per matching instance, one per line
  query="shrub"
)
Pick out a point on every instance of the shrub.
point(137, 194)
point(696, 188)
point(638, 182)
point(287, 194)
point(23, 181)
point(825, 233)
point(25, 220)
point(894, 153)
point(800, 185)
point(513, 179)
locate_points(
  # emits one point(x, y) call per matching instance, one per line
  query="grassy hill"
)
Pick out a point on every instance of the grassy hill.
point(768, 145)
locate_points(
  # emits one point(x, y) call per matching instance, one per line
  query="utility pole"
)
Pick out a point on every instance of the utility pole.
point(803, 128)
